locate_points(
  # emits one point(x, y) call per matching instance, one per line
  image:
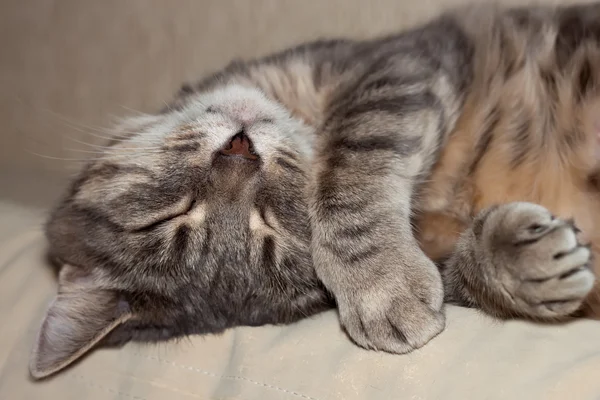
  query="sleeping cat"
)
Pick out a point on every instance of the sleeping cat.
point(336, 173)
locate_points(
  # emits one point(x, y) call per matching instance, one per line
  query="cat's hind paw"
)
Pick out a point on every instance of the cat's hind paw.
point(542, 269)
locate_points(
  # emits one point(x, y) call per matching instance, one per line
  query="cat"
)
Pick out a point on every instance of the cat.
point(366, 175)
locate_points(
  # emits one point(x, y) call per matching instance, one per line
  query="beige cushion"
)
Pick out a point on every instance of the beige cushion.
point(475, 358)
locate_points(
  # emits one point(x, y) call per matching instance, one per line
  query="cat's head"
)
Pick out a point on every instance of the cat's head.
point(190, 221)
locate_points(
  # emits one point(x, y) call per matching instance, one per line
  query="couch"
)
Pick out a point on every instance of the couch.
point(67, 67)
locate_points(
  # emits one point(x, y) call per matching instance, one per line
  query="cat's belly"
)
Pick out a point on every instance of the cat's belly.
point(519, 138)
point(565, 195)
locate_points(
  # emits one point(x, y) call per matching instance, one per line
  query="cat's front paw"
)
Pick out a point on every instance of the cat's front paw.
point(391, 317)
point(542, 268)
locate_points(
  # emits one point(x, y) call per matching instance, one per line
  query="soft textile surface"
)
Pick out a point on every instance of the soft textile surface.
point(475, 357)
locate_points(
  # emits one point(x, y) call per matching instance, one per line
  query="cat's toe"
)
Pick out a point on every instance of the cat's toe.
point(389, 319)
point(556, 296)
point(548, 272)
point(401, 327)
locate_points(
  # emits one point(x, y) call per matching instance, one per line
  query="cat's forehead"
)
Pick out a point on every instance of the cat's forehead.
point(206, 123)
point(226, 108)
point(244, 104)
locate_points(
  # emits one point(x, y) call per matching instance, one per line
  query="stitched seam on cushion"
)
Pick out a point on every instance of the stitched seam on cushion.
point(230, 377)
point(104, 388)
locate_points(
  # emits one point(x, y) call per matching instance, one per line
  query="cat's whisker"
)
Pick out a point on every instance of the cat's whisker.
point(109, 134)
point(85, 160)
point(73, 123)
point(126, 156)
point(141, 113)
point(88, 144)
point(32, 140)
point(115, 139)
point(124, 151)
point(96, 135)
point(81, 160)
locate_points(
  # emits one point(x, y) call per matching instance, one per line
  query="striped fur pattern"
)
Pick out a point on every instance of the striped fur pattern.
point(372, 161)
point(529, 130)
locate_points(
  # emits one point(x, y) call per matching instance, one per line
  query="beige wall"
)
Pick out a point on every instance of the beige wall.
point(67, 64)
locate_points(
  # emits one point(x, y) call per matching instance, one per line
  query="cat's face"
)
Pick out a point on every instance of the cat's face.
point(191, 221)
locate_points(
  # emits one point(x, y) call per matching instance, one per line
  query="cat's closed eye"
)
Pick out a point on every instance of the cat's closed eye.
point(187, 204)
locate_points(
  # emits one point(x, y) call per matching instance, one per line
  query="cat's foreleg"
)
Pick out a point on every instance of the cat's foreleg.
point(371, 155)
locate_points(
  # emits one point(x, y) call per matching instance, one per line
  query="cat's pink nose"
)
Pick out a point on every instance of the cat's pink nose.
point(241, 146)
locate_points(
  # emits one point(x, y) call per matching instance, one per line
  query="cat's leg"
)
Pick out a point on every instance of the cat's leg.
point(388, 292)
point(518, 260)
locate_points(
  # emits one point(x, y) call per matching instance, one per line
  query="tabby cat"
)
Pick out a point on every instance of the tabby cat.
point(338, 173)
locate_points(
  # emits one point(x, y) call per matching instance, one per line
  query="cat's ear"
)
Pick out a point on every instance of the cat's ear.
point(79, 317)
